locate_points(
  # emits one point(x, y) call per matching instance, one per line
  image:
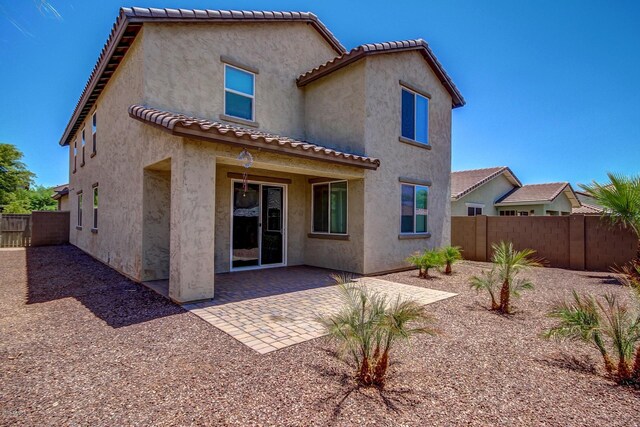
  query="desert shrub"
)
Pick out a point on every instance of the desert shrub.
point(368, 325)
point(606, 323)
point(426, 260)
point(451, 255)
point(508, 263)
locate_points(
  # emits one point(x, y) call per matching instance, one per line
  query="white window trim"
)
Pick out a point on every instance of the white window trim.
point(253, 97)
point(414, 232)
point(346, 233)
point(415, 115)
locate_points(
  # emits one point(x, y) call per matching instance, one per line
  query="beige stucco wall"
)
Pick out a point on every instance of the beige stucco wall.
point(486, 195)
point(383, 249)
point(63, 203)
point(184, 73)
point(335, 109)
point(177, 67)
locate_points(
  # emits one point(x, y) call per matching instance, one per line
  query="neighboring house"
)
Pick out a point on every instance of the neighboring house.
point(223, 140)
point(497, 191)
point(61, 195)
point(474, 192)
point(552, 199)
point(588, 205)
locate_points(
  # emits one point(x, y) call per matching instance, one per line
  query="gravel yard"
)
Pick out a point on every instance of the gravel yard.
point(82, 345)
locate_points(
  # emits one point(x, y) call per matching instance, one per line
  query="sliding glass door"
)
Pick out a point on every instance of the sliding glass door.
point(258, 225)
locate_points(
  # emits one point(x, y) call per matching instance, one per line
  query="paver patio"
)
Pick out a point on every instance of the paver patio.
point(271, 309)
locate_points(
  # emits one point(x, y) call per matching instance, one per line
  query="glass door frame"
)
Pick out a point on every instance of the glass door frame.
point(285, 228)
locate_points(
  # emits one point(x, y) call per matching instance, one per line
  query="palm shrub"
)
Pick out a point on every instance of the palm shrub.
point(451, 255)
point(426, 260)
point(611, 326)
point(620, 200)
point(508, 263)
point(367, 327)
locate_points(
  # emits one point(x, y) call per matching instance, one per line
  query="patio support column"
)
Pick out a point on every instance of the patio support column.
point(192, 223)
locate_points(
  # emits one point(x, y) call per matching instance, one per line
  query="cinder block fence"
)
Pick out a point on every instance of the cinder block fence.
point(40, 228)
point(577, 242)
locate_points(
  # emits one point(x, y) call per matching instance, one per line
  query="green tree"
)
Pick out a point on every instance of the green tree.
point(451, 255)
point(14, 174)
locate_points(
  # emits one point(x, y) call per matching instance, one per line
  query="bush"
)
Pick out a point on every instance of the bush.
point(426, 260)
point(507, 265)
point(451, 255)
point(367, 327)
point(610, 326)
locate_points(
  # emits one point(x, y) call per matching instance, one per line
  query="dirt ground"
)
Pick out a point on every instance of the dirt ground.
point(82, 345)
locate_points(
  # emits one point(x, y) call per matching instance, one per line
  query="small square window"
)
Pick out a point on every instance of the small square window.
point(239, 87)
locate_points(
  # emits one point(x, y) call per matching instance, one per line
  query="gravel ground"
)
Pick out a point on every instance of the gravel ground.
point(82, 345)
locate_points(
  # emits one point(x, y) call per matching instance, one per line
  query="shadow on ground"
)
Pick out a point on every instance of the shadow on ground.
point(56, 272)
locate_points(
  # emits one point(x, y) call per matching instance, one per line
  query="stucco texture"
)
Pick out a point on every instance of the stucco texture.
point(165, 201)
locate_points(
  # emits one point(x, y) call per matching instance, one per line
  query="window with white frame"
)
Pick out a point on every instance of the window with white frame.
point(413, 209)
point(329, 207)
point(79, 223)
point(239, 93)
point(95, 207)
point(415, 116)
point(94, 128)
point(474, 210)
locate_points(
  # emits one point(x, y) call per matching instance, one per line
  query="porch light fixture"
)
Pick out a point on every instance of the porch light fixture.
point(248, 162)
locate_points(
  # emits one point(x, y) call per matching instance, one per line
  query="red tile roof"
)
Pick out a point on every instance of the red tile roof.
point(537, 193)
point(128, 24)
point(387, 47)
point(464, 182)
point(185, 126)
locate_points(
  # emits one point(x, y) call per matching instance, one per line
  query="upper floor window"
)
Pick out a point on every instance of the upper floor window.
point(415, 116)
point(329, 207)
point(94, 124)
point(239, 88)
point(83, 144)
point(413, 209)
point(75, 154)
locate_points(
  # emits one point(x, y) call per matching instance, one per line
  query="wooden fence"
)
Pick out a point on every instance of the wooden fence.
point(578, 242)
point(15, 230)
point(39, 228)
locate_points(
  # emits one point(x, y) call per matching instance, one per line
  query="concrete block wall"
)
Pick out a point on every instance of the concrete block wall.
point(576, 242)
point(49, 228)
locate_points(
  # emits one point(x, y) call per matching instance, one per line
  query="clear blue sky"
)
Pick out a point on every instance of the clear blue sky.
point(552, 87)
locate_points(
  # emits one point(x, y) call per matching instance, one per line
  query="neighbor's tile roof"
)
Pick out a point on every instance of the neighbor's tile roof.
point(535, 193)
point(587, 209)
point(225, 133)
point(464, 182)
point(128, 24)
point(386, 47)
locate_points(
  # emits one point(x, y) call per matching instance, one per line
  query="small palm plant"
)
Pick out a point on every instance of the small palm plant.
point(620, 200)
point(507, 265)
point(425, 261)
point(607, 324)
point(451, 255)
point(368, 326)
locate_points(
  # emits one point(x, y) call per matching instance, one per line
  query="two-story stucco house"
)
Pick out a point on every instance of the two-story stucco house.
point(497, 191)
point(225, 140)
